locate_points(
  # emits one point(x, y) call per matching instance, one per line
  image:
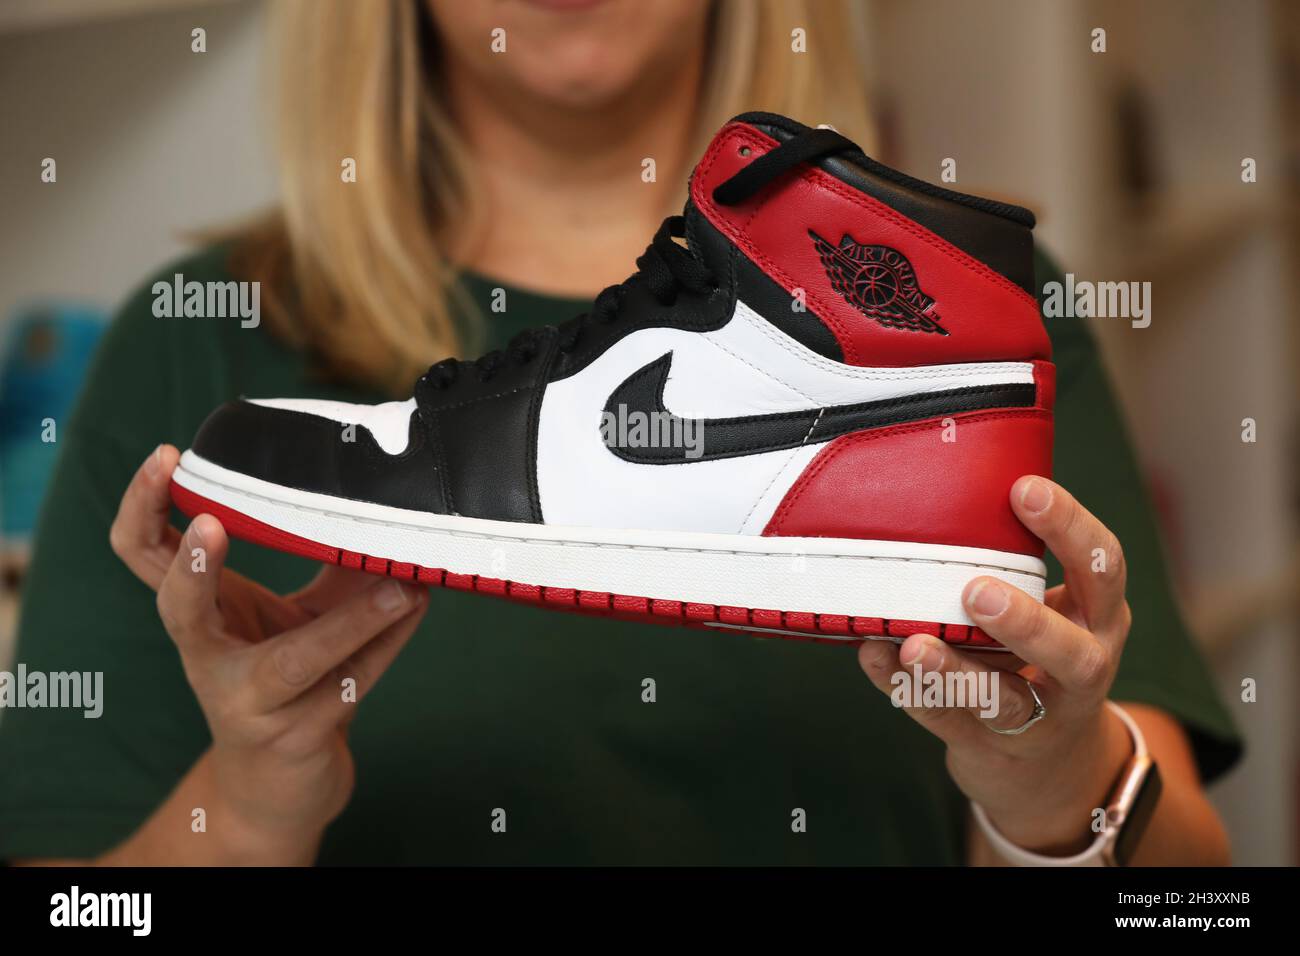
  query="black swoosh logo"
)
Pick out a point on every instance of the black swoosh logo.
point(683, 440)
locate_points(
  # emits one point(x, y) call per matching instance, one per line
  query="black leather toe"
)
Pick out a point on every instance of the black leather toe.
point(311, 453)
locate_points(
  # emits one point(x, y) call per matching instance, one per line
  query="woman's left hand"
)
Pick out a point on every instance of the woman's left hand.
point(1039, 788)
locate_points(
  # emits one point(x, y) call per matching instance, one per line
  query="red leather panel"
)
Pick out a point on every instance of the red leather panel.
point(905, 483)
point(987, 317)
point(1045, 380)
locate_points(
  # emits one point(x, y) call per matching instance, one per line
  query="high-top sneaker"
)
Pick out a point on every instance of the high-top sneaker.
point(804, 420)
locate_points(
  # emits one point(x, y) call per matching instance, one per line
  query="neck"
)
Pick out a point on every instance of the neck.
point(566, 208)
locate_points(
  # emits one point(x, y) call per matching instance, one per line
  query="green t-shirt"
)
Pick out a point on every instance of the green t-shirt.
point(498, 705)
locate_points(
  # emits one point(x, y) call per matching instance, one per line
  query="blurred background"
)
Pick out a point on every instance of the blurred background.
point(1132, 158)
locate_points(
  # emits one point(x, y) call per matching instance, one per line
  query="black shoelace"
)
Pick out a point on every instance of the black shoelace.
point(667, 268)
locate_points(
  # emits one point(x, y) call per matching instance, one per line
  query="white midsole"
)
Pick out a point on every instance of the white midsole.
point(897, 580)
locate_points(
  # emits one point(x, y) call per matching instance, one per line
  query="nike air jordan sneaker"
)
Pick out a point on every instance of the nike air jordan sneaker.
point(803, 419)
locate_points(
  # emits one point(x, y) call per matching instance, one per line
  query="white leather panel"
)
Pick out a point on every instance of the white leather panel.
point(389, 423)
point(755, 368)
point(748, 367)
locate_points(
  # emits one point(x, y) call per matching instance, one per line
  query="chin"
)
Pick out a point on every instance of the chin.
point(578, 82)
point(574, 55)
point(576, 93)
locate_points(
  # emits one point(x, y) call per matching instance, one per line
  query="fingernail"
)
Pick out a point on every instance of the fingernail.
point(153, 463)
point(196, 535)
point(988, 599)
point(390, 596)
point(928, 654)
point(1035, 496)
point(875, 654)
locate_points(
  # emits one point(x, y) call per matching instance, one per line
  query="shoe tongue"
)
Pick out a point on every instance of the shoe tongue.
point(705, 242)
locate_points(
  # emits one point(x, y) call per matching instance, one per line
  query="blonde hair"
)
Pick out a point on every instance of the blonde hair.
point(361, 274)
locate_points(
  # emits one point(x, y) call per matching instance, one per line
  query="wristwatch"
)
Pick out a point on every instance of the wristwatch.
point(1129, 808)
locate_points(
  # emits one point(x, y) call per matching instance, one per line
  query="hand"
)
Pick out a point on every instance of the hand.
point(268, 670)
point(1041, 787)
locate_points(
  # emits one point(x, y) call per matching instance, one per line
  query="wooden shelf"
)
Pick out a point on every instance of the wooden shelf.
point(1169, 237)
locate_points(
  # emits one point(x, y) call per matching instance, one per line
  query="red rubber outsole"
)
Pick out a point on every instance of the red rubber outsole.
point(759, 622)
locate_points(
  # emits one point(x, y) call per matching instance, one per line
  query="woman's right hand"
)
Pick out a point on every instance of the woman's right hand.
point(271, 673)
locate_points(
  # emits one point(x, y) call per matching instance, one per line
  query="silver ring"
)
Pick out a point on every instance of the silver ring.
point(1039, 713)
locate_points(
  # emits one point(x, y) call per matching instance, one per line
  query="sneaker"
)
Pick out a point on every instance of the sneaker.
point(803, 420)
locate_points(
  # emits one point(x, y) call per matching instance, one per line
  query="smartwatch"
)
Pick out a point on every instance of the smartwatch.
point(1129, 808)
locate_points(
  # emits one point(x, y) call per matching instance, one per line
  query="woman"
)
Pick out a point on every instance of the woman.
point(511, 143)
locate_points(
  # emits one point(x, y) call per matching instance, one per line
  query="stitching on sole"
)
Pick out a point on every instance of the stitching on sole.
point(602, 545)
point(837, 629)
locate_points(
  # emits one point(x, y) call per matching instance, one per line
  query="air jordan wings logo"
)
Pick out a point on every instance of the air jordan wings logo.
point(880, 283)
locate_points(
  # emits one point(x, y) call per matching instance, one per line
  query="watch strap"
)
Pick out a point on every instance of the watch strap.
point(1095, 854)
